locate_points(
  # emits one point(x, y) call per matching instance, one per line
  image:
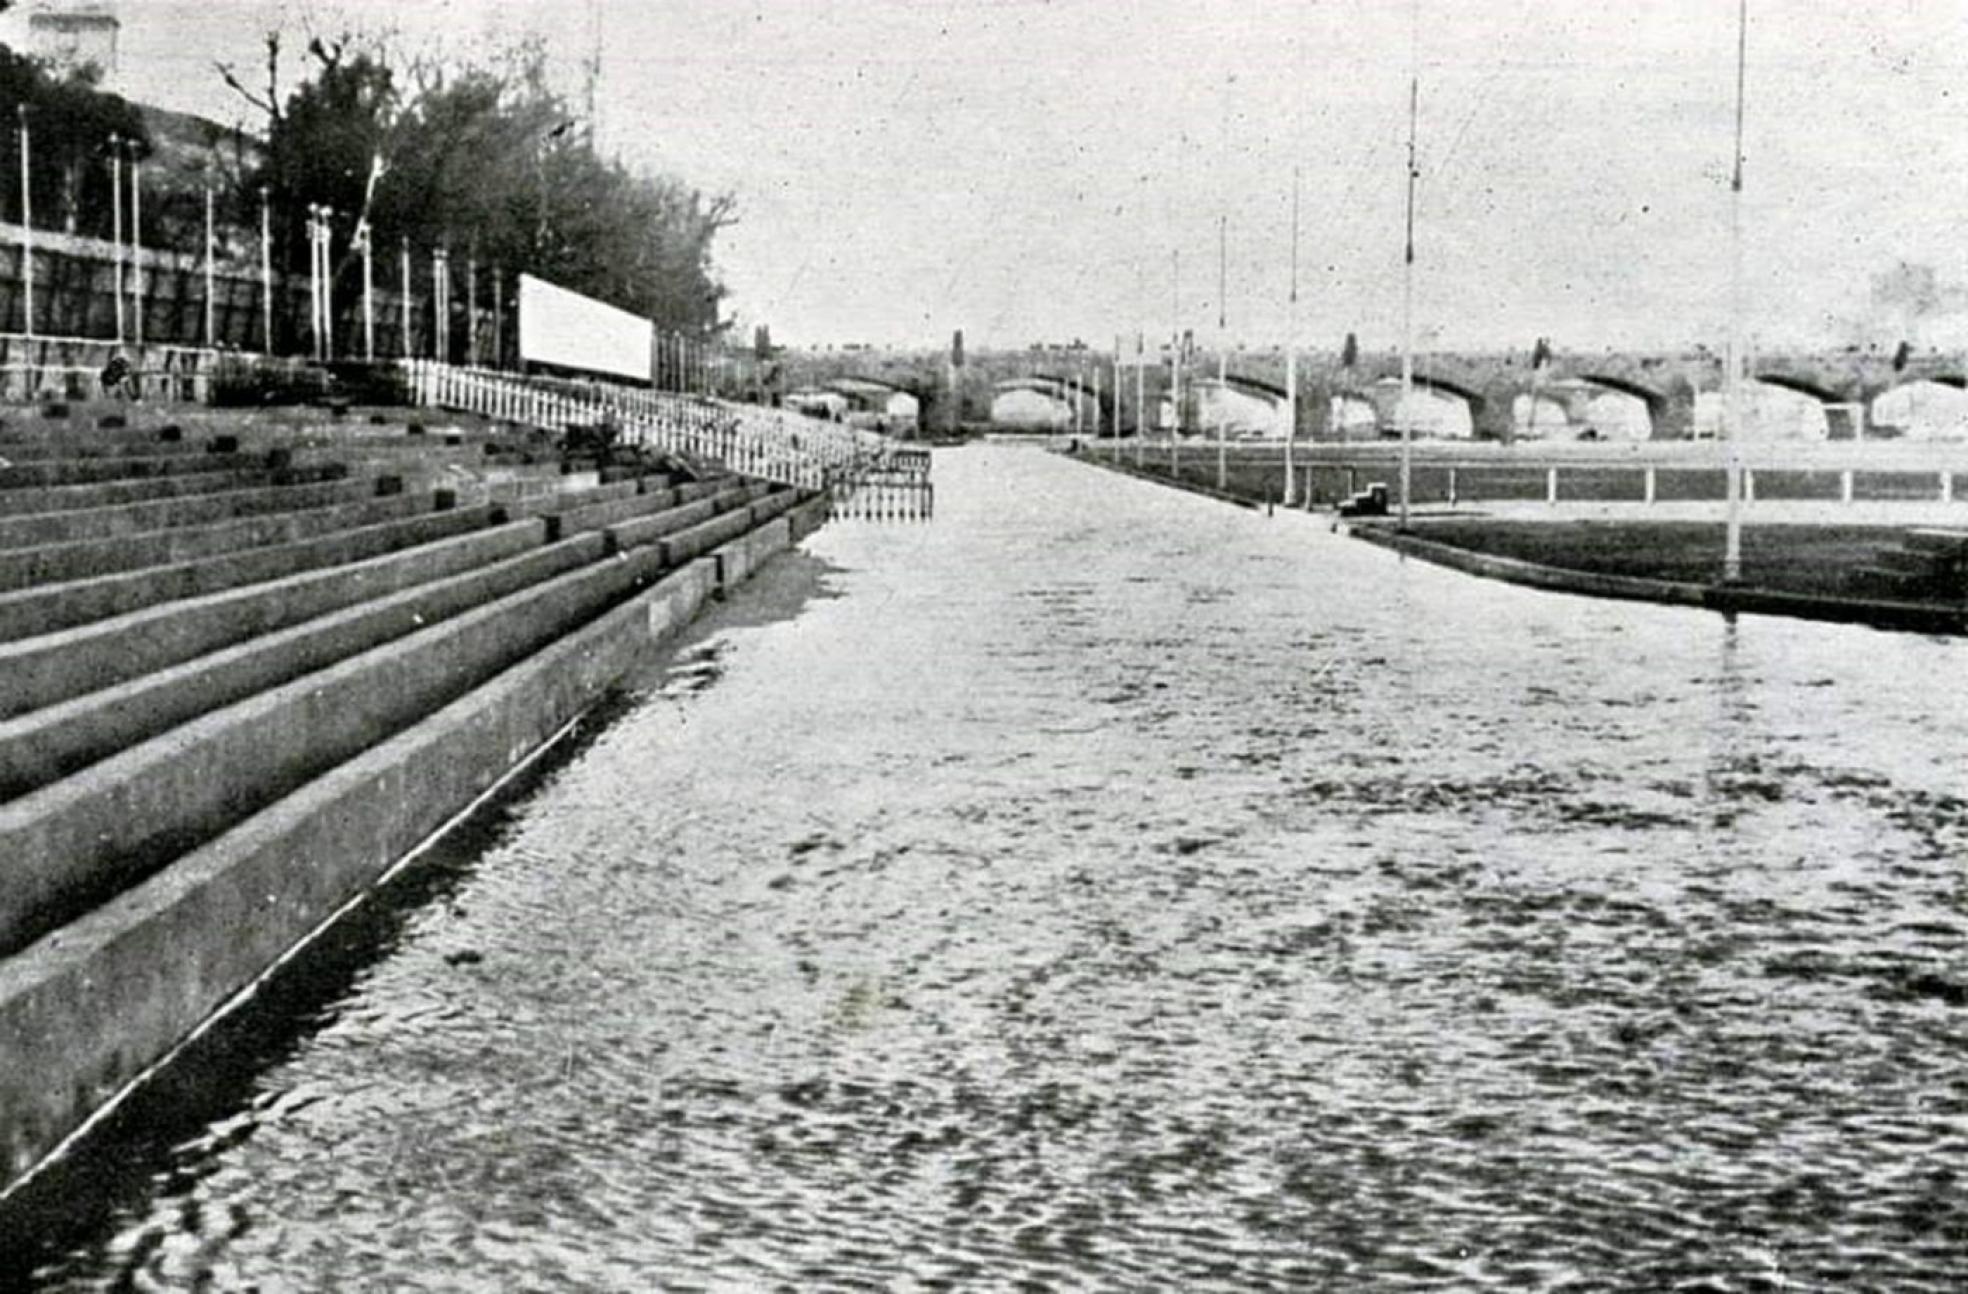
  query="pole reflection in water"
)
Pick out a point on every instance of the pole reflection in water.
point(1106, 888)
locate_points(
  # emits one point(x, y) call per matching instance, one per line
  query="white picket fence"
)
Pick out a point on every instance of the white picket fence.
point(772, 444)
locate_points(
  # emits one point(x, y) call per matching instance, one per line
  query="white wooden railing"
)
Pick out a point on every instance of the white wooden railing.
point(772, 444)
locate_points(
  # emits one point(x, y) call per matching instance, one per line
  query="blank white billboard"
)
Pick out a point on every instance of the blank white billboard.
point(565, 328)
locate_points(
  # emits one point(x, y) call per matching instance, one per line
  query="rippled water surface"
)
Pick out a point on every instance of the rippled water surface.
point(1105, 888)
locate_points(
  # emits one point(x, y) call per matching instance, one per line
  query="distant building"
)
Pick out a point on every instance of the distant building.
point(75, 34)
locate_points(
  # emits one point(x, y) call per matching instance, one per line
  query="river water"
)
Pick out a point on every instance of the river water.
point(1104, 888)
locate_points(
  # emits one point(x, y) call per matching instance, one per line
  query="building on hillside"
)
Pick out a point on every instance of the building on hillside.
point(76, 34)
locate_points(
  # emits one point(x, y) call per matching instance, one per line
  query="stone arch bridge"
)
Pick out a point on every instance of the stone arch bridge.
point(1496, 388)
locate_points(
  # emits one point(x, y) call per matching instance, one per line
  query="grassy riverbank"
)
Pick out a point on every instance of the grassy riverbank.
point(1823, 561)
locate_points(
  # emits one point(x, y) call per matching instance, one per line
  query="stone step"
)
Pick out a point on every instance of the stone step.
point(75, 843)
point(103, 446)
point(107, 494)
point(271, 876)
point(50, 743)
point(49, 607)
point(49, 668)
point(56, 563)
point(33, 529)
point(89, 471)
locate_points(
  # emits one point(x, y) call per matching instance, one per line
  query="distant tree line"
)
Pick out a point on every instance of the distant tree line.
point(487, 161)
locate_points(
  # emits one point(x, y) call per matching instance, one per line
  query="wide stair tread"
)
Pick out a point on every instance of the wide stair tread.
point(114, 821)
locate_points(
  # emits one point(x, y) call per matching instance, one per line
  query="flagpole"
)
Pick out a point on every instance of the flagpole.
point(1175, 370)
point(1116, 420)
point(116, 223)
point(471, 304)
point(1406, 409)
point(328, 281)
point(27, 231)
point(1094, 415)
point(1140, 360)
point(1222, 352)
point(211, 247)
point(266, 270)
point(136, 245)
point(368, 293)
point(1732, 469)
point(441, 304)
point(1537, 387)
point(314, 278)
point(1291, 356)
point(403, 346)
point(1140, 395)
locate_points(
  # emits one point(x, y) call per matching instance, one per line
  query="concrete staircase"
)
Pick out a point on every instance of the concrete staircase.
point(241, 675)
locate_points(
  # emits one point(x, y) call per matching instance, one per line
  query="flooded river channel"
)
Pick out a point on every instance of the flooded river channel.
point(1104, 888)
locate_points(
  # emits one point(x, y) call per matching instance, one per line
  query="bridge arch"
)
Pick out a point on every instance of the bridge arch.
point(1042, 402)
point(1243, 406)
point(878, 404)
point(1586, 408)
point(1776, 406)
point(1438, 409)
point(1922, 408)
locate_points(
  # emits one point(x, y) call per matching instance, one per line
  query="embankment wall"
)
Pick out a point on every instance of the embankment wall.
point(88, 1008)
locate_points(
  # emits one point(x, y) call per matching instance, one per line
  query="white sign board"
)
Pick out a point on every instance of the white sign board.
point(567, 329)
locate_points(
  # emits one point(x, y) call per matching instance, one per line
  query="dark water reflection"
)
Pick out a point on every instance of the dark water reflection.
point(1102, 888)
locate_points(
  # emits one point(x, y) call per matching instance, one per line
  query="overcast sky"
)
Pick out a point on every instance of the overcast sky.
point(1023, 169)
